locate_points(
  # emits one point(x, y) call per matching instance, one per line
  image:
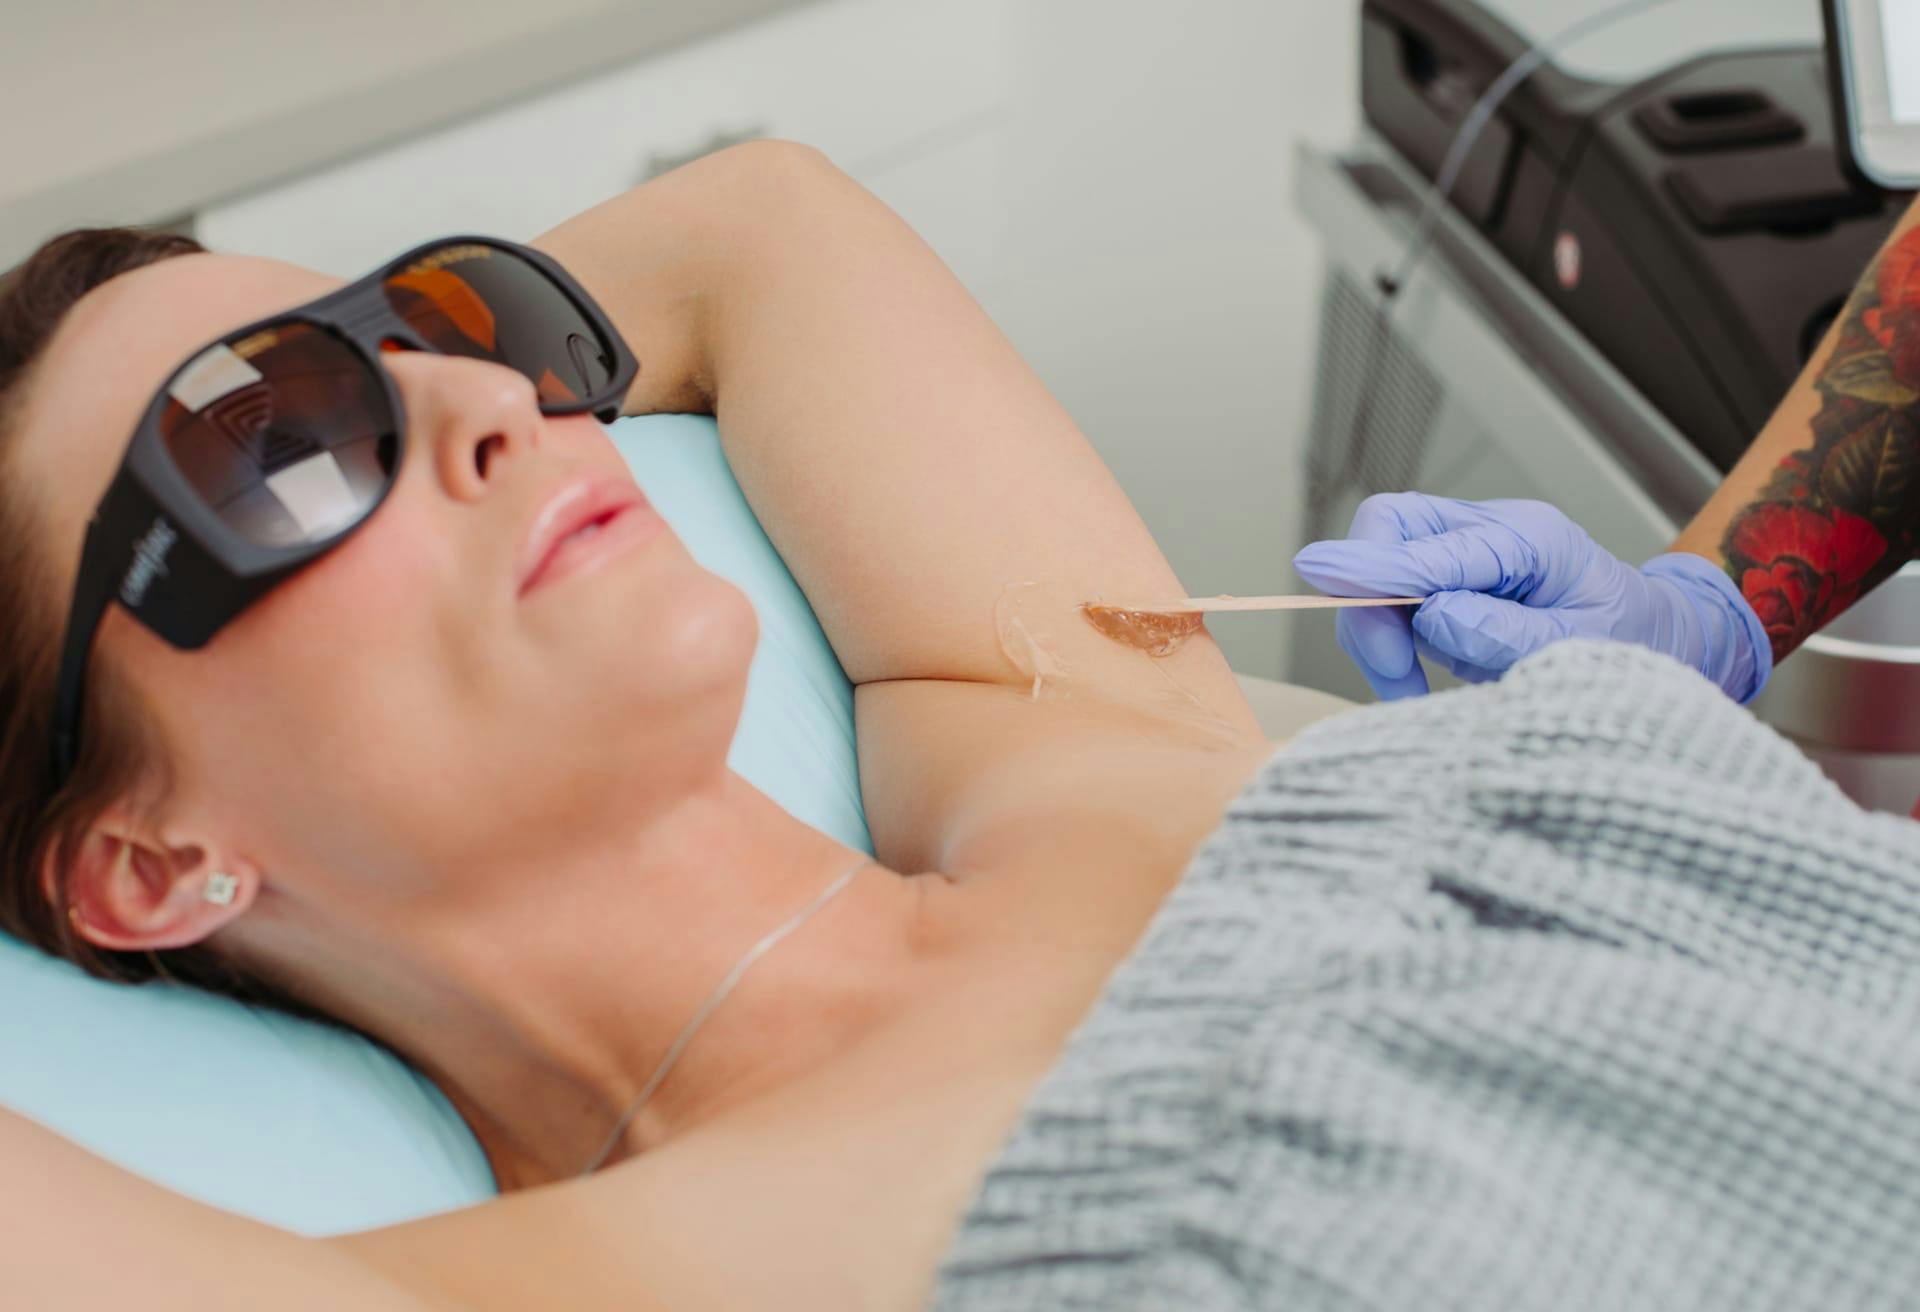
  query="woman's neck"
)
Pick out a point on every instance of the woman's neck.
point(541, 1002)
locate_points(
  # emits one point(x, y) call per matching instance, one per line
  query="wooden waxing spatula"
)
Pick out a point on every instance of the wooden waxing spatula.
point(1209, 605)
point(1159, 628)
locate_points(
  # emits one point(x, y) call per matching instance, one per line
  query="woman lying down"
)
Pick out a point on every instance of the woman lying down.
point(388, 697)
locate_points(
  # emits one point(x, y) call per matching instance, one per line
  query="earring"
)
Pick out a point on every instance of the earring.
point(220, 889)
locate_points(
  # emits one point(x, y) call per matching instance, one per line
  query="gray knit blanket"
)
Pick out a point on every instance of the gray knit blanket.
point(1583, 990)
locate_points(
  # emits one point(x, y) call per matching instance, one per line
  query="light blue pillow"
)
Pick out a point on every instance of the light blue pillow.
point(321, 1131)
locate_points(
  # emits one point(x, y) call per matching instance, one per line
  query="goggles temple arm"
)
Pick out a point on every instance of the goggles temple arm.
point(103, 557)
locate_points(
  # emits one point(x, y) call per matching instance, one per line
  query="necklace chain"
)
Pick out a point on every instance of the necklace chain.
point(712, 1004)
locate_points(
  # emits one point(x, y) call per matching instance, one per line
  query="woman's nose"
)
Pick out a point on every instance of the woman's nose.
point(466, 416)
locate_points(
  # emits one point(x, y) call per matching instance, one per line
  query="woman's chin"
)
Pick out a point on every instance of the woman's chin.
point(677, 659)
point(646, 695)
point(709, 640)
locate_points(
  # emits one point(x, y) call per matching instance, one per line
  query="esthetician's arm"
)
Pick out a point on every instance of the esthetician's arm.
point(1826, 503)
point(907, 464)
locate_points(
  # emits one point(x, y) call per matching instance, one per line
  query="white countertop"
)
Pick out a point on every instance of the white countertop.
point(127, 112)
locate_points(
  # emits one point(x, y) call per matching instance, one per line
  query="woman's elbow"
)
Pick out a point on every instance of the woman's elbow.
point(762, 180)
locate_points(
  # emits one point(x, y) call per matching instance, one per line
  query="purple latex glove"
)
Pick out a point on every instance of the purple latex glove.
point(1504, 579)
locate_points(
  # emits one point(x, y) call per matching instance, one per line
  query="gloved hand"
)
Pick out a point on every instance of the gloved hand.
point(1504, 579)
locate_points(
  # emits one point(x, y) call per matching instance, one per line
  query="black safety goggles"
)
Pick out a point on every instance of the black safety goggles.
point(269, 447)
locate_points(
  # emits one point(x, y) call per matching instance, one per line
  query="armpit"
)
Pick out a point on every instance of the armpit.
point(1173, 671)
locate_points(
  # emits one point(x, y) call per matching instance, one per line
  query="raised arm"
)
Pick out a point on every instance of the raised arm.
point(1826, 503)
point(78, 1233)
point(901, 455)
point(902, 458)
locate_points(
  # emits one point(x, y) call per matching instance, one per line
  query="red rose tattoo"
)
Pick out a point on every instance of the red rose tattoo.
point(1838, 517)
point(1808, 566)
point(1895, 322)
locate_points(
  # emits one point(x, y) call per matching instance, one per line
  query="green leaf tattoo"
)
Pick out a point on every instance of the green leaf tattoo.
point(1839, 516)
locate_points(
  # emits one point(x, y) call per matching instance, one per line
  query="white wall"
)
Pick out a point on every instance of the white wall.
point(1110, 177)
point(1151, 267)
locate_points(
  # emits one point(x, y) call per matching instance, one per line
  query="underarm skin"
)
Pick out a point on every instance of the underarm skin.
point(1826, 504)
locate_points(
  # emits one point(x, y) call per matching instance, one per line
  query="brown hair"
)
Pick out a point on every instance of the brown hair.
point(119, 749)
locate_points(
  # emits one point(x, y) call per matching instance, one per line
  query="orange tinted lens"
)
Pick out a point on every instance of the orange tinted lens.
point(489, 304)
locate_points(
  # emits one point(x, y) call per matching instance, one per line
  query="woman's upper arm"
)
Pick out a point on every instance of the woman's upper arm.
point(78, 1232)
point(900, 454)
point(910, 467)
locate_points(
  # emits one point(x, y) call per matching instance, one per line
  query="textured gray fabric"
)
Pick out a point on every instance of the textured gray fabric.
point(1585, 990)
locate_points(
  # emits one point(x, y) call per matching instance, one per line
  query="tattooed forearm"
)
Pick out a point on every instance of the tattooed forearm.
point(1838, 517)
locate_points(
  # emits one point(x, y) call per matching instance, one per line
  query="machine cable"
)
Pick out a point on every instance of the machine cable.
point(1391, 282)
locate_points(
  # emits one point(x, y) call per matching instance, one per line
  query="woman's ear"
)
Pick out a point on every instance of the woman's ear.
point(130, 892)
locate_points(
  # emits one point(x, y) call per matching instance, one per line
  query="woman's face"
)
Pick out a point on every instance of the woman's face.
point(397, 717)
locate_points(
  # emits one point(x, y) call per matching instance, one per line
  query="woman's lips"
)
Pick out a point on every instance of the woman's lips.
point(598, 532)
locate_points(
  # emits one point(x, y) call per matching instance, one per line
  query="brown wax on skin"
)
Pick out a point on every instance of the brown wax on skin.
point(1063, 656)
point(1155, 633)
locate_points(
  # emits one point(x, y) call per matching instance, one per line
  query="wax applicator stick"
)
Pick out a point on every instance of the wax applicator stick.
point(1214, 605)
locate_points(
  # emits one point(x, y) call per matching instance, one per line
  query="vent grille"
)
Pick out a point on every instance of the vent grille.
point(1375, 403)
